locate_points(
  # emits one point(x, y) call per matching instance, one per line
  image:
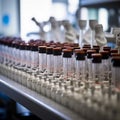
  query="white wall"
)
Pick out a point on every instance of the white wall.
point(9, 7)
point(40, 9)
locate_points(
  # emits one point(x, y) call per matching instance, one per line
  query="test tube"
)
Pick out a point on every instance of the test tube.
point(107, 48)
point(67, 67)
point(4, 52)
point(112, 52)
point(27, 55)
point(89, 63)
point(57, 53)
point(73, 59)
point(80, 65)
point(42, 58)
point(50, 61)
point(34, 56)
point(16, 54)
point(15, 48)
point(22, 54)
point(116, 72)
point(105, 65)
point(97, 67)
point(8, 50)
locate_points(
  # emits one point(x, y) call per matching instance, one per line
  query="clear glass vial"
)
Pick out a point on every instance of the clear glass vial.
point(42, 58)
point(80, 65)
point(67, 64)
point(116, 72)
point(97, 67)
point(34, 56)
point(50, 61)
point(89, 63)
point(105, 65)
point(57, 54)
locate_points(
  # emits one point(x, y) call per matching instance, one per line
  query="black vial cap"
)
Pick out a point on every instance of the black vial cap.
point(57, 51)
point(74, 45)
point(85, 50)
point(97, 49)
point(80, 55)
point(86, 46)
point(116, 61)
point(42, 49)
point(34, 47)
point(113, 50)
point(105, 54)
point(69, 48)
point(96, 58)
point(89, 53)
point(17, 45)
point(49, 50)
point(96, 46)
point(22, 46)
point(107, 48)
point(13, 44)
point(77, 50)
point(67, 53)
point(115, 54)
point(27, 47)
point(9, 43)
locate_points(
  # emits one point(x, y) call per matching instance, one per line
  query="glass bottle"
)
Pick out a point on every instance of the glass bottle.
point(4, 52)
point(50, 61)
point(67, 67)
point(16, 54)
point(105, 65)
point(34, 57)
point(116, 72)
point(107, 48)
point(113, 52)
point(27, 56)
point(89, 63)
point(22, 55)
point(96, 67)
point(73, 59)
point(80, 65)
point(9, 52)
point(50, 87)
point(42, 59)
point(58, 92)
point(85, 49)
point(57, 53)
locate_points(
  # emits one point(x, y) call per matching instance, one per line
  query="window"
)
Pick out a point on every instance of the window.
point(33, 8)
